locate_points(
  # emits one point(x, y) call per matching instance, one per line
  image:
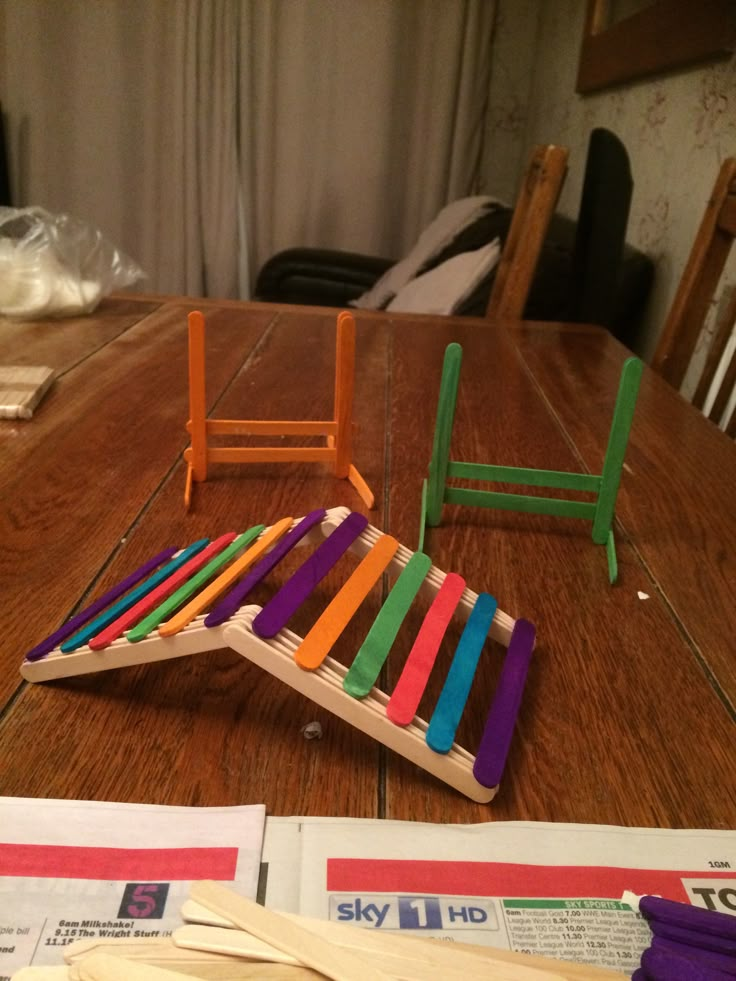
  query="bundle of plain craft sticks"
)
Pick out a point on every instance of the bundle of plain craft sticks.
point(227, 937)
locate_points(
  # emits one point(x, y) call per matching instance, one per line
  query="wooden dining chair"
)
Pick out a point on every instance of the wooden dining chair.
point(695, 294)
point(534, 208)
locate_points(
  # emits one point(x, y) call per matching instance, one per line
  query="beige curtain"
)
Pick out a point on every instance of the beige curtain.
point(122, 113)
point(189, 217)
point(204, 135)
point(360, 119)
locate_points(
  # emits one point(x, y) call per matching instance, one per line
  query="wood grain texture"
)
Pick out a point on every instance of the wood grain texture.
point(598, 739)
point(61, 344)
point(676, 502)
point(623, 694)
point(215, 728)
point(75, 482)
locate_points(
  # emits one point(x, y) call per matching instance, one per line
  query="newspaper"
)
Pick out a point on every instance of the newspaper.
point(72, 870)
point(550, 889)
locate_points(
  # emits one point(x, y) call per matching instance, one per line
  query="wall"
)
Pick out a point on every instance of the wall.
point(677, 129)
point(3, 51)
point(505, 146)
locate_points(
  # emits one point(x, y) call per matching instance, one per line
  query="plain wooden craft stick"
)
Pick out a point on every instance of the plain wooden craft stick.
point(163, 952)
point(408, 964)
point(225, 969)
point(404, 958)
point(467, 958)
point(293, 939)
point(107, 967)
point(160, 951)
point(41, 974)
point(194, 912)
point(229, 940)
point(432, 961)
point(571, 970)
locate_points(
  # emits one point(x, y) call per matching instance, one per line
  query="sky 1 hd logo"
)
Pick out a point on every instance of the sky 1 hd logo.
point(414, 912)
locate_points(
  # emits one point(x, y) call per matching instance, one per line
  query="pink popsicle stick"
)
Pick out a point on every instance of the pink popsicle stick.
point(403, 704)
point(159, 594)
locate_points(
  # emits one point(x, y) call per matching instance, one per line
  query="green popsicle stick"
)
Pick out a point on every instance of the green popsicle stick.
point(191, 586)
point(372, 655)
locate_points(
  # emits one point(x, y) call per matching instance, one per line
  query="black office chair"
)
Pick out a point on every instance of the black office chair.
point(586, 273)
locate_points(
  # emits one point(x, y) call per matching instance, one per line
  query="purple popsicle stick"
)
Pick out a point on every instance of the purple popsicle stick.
point(707, 958)
point(687, 916)
point(233, 600)
point(496, 739)
point(693, 938)
point(664, 965)
point(71, 626)
point(277, 612)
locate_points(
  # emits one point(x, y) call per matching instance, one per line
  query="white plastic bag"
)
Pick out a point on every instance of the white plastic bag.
point(56, 265)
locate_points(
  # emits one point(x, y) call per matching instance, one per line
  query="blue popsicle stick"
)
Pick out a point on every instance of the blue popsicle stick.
point(67, 629)
point(451, 703)
point(131, 599)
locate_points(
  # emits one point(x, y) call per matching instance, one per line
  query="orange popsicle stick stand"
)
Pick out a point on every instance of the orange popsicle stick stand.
point(338, 432)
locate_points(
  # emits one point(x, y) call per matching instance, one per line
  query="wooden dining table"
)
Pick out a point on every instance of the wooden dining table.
point(628, 713)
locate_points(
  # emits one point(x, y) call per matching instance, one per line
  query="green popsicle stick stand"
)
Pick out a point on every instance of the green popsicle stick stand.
point(437, 492)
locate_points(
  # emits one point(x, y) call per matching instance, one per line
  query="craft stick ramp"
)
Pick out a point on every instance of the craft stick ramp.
point(197, 599)
point(337, 431)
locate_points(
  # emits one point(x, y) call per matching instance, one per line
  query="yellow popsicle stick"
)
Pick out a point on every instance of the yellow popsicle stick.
point(202, 600)
point(319, 641)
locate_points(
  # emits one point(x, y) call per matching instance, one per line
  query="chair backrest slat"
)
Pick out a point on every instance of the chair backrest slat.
point(694, 297)
point(715, 354)
point(534, 208)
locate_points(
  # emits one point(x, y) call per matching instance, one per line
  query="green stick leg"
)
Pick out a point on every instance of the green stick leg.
point(443, 433)
point(612, 560)
point(423, 525)
point(623, 415)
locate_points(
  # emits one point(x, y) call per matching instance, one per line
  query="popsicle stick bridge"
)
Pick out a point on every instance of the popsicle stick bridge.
point(184, 602)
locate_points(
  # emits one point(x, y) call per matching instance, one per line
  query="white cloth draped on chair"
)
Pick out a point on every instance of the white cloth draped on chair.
point(204, 135)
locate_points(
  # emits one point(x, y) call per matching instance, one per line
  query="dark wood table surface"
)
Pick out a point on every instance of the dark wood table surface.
point(628, 717)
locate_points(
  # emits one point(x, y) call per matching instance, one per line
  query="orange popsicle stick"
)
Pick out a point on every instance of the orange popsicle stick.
point(204, 599)
point(319, 641)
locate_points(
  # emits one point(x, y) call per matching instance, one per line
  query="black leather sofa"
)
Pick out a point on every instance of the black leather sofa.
point(586, 272)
